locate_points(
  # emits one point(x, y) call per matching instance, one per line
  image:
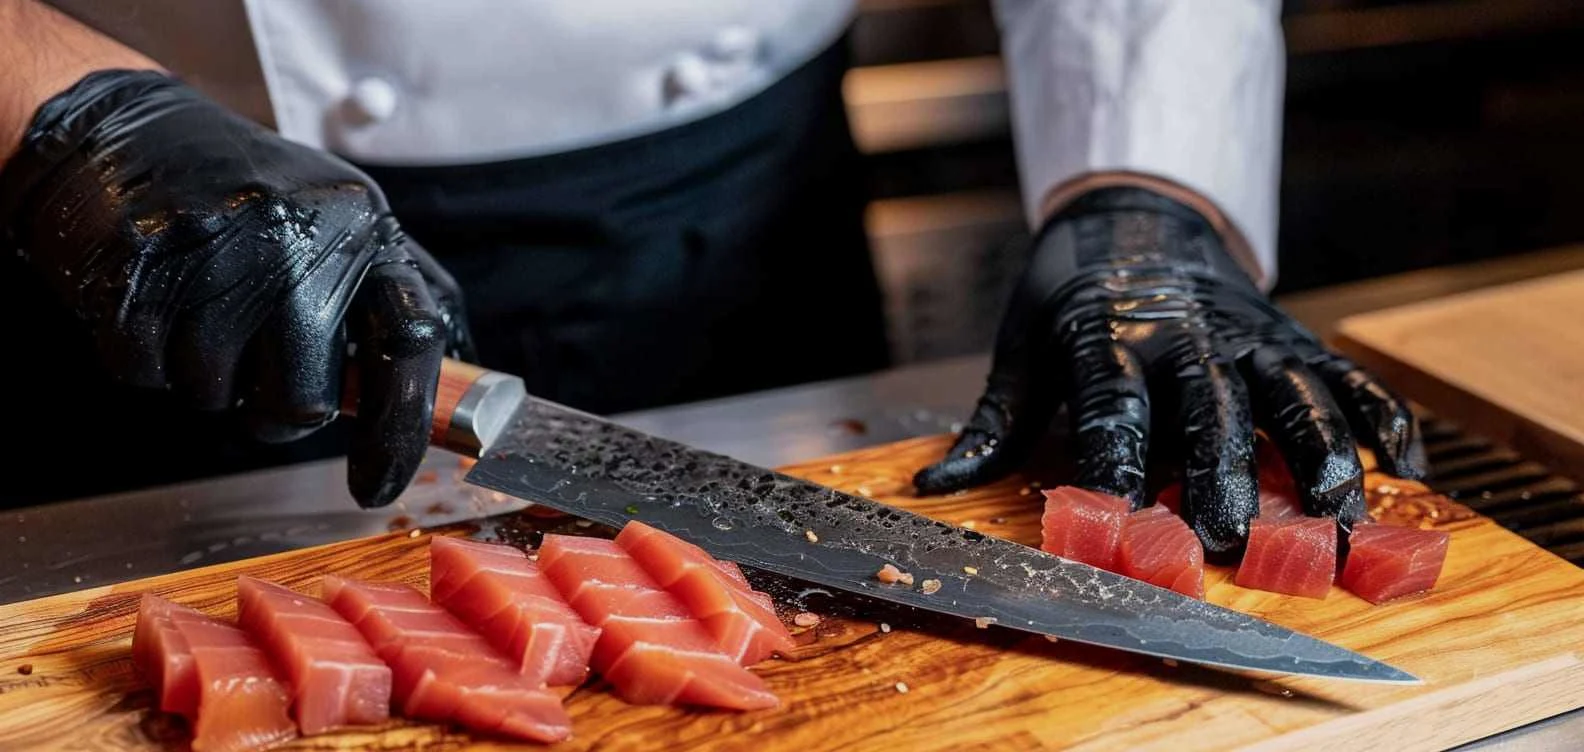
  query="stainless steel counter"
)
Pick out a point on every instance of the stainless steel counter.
point(62, 547)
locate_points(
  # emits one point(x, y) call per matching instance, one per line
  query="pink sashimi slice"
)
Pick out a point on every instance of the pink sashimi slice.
point(1278, 492)
point(1159, 548)
point(742, 620)
point(652, 649)
point(1279, 504)
point(1385, 563)
point(1171, 498)
point(1296, 556)
point(1273, 469)
point(732, 571)
point(1085, 526)
point(241, 704)
point(503, 596)
point(162, 656)
point(335, 677)
point(441, 670)
point(1274, 502)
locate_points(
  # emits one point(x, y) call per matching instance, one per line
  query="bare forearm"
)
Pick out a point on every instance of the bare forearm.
point(42, 52)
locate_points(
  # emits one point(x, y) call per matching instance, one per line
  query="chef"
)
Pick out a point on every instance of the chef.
point(218, 208)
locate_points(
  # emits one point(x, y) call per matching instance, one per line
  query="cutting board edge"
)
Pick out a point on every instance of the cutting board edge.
point(1574, 276)
point(1528, 695)
point(1467, 407)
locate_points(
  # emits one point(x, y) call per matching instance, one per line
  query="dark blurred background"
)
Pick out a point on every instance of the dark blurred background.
point(1418, 133)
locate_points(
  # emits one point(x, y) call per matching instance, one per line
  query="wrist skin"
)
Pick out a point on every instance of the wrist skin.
point(42, 53)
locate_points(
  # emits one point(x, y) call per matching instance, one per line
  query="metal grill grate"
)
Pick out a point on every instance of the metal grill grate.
point(1520, 495)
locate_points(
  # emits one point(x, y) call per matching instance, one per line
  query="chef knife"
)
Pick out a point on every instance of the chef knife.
point(586, 466)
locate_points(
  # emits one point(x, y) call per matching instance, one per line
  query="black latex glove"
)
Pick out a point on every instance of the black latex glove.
point(1134, 315)
point(211, 257)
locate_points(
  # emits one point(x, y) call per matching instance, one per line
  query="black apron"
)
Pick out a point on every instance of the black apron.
point(718, 257)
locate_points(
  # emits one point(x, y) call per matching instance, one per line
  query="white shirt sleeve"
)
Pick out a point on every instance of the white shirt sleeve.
point(1188, 92)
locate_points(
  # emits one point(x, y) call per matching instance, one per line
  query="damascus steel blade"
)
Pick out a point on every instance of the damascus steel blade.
point(586, 466)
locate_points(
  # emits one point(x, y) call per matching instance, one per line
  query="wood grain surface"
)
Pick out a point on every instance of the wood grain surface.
point(1498, 644)
point(1507, 361)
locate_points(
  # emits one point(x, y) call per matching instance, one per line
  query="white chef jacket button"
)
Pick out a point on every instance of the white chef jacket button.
point(372, 99)
point(688, 77)
point(736, 44)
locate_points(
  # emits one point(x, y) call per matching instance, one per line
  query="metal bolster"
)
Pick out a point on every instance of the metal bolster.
point(484, 412)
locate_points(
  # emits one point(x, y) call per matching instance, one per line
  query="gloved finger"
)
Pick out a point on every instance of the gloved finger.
point(1297, 411)
point(1109, 408)
point(203, 356)
point(1013, 413)
point(1380, 418)
point(400, 344)
point(449, 302)
point(1220, 486)
point(296, 372)
point(143, 359)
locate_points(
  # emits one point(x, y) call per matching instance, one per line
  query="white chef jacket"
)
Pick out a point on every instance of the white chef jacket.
point(1186, 91)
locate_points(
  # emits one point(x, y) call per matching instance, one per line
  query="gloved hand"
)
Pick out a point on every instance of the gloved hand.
point(211, 257)
point(1134, 315)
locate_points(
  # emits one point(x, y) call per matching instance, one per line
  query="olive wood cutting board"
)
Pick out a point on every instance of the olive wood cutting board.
point(1506, 361)
point(1498, 644)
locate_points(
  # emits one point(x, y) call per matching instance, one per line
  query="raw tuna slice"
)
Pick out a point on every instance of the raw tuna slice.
point(1279, 504)
point(441, 670)
point(1159, 548)
point(241, 705)
point(335, 677)
point(742, 621)
point(1084, 526)
point(1294, 556)
point(1386, 562)
point(1171, 498)
point(1273, 469)
point(1276, 502)
point(652, 649)
point(502, 595)
point(161, 654)
point(731, 570)
point(1278, 493)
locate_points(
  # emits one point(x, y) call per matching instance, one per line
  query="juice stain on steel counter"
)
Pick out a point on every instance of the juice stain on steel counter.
point(849, 427)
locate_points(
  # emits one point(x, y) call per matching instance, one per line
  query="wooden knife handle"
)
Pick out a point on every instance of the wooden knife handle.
point(456, 378)
point(472, 405)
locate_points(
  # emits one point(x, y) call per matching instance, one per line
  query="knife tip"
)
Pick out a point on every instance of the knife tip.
point(1381, 673)
point(1364, 670)
point(1336, 664)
